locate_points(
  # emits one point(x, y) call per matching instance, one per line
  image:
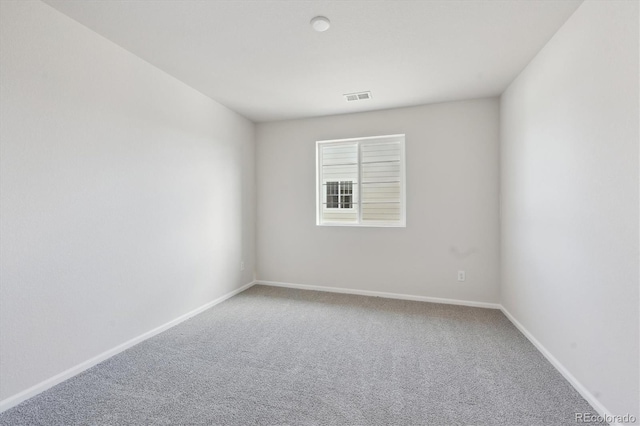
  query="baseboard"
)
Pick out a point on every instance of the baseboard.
point(381, 294)
point(14, 400)
point(588, 396)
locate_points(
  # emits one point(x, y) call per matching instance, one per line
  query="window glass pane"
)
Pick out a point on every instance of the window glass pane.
point(340, 216)
point(332, 195)
point(340, 172)
point(339, 154)
point(381, 182)
point(373, 152)
point(373, 192)
point(346, 191)
point(381, 212)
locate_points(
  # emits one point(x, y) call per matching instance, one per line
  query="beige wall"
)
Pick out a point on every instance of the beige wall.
point(452, 205)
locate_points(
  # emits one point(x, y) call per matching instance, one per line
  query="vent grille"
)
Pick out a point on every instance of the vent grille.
point(360, 96)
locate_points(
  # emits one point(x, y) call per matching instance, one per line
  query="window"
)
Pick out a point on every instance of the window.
point(340, 195)
point(361, 182)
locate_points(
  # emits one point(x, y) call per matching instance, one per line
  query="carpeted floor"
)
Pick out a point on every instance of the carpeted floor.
point(273, 356)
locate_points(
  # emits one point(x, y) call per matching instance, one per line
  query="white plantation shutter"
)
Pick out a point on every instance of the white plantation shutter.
point(361, 181)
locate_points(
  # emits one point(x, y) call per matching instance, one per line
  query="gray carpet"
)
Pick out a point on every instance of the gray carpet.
point(272, 356)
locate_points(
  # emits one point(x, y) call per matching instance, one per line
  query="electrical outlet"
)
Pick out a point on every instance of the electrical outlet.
point(462, 276)
point(242, 265)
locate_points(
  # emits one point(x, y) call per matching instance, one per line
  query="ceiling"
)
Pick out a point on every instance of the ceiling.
point(263, 60)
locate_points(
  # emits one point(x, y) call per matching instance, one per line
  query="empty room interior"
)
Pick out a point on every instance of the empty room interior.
point(319, 212)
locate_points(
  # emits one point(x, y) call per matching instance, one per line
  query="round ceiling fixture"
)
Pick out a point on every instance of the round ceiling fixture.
point(320, 23)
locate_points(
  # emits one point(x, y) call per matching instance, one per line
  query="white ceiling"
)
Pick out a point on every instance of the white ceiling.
point(263, 60)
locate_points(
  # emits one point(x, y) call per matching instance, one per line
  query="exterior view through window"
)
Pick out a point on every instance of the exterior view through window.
point(340, 195)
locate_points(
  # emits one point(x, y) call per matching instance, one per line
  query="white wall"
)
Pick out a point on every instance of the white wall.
point(452, 205)
point(127, 198)
point(569, 193)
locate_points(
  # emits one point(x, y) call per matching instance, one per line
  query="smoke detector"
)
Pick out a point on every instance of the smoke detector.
point(360, 96)
point(320, 23)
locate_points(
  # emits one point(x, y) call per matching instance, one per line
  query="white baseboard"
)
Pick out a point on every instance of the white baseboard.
point(588, 396)
point(16, 399)
point(381, 294)
point(597, 405)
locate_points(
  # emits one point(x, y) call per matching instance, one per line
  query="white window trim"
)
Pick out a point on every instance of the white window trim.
point(402, 223)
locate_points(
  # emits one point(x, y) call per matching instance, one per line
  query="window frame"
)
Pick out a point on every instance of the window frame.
point(357, 201)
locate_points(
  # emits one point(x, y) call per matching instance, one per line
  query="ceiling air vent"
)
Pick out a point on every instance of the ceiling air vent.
point(360, 96)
